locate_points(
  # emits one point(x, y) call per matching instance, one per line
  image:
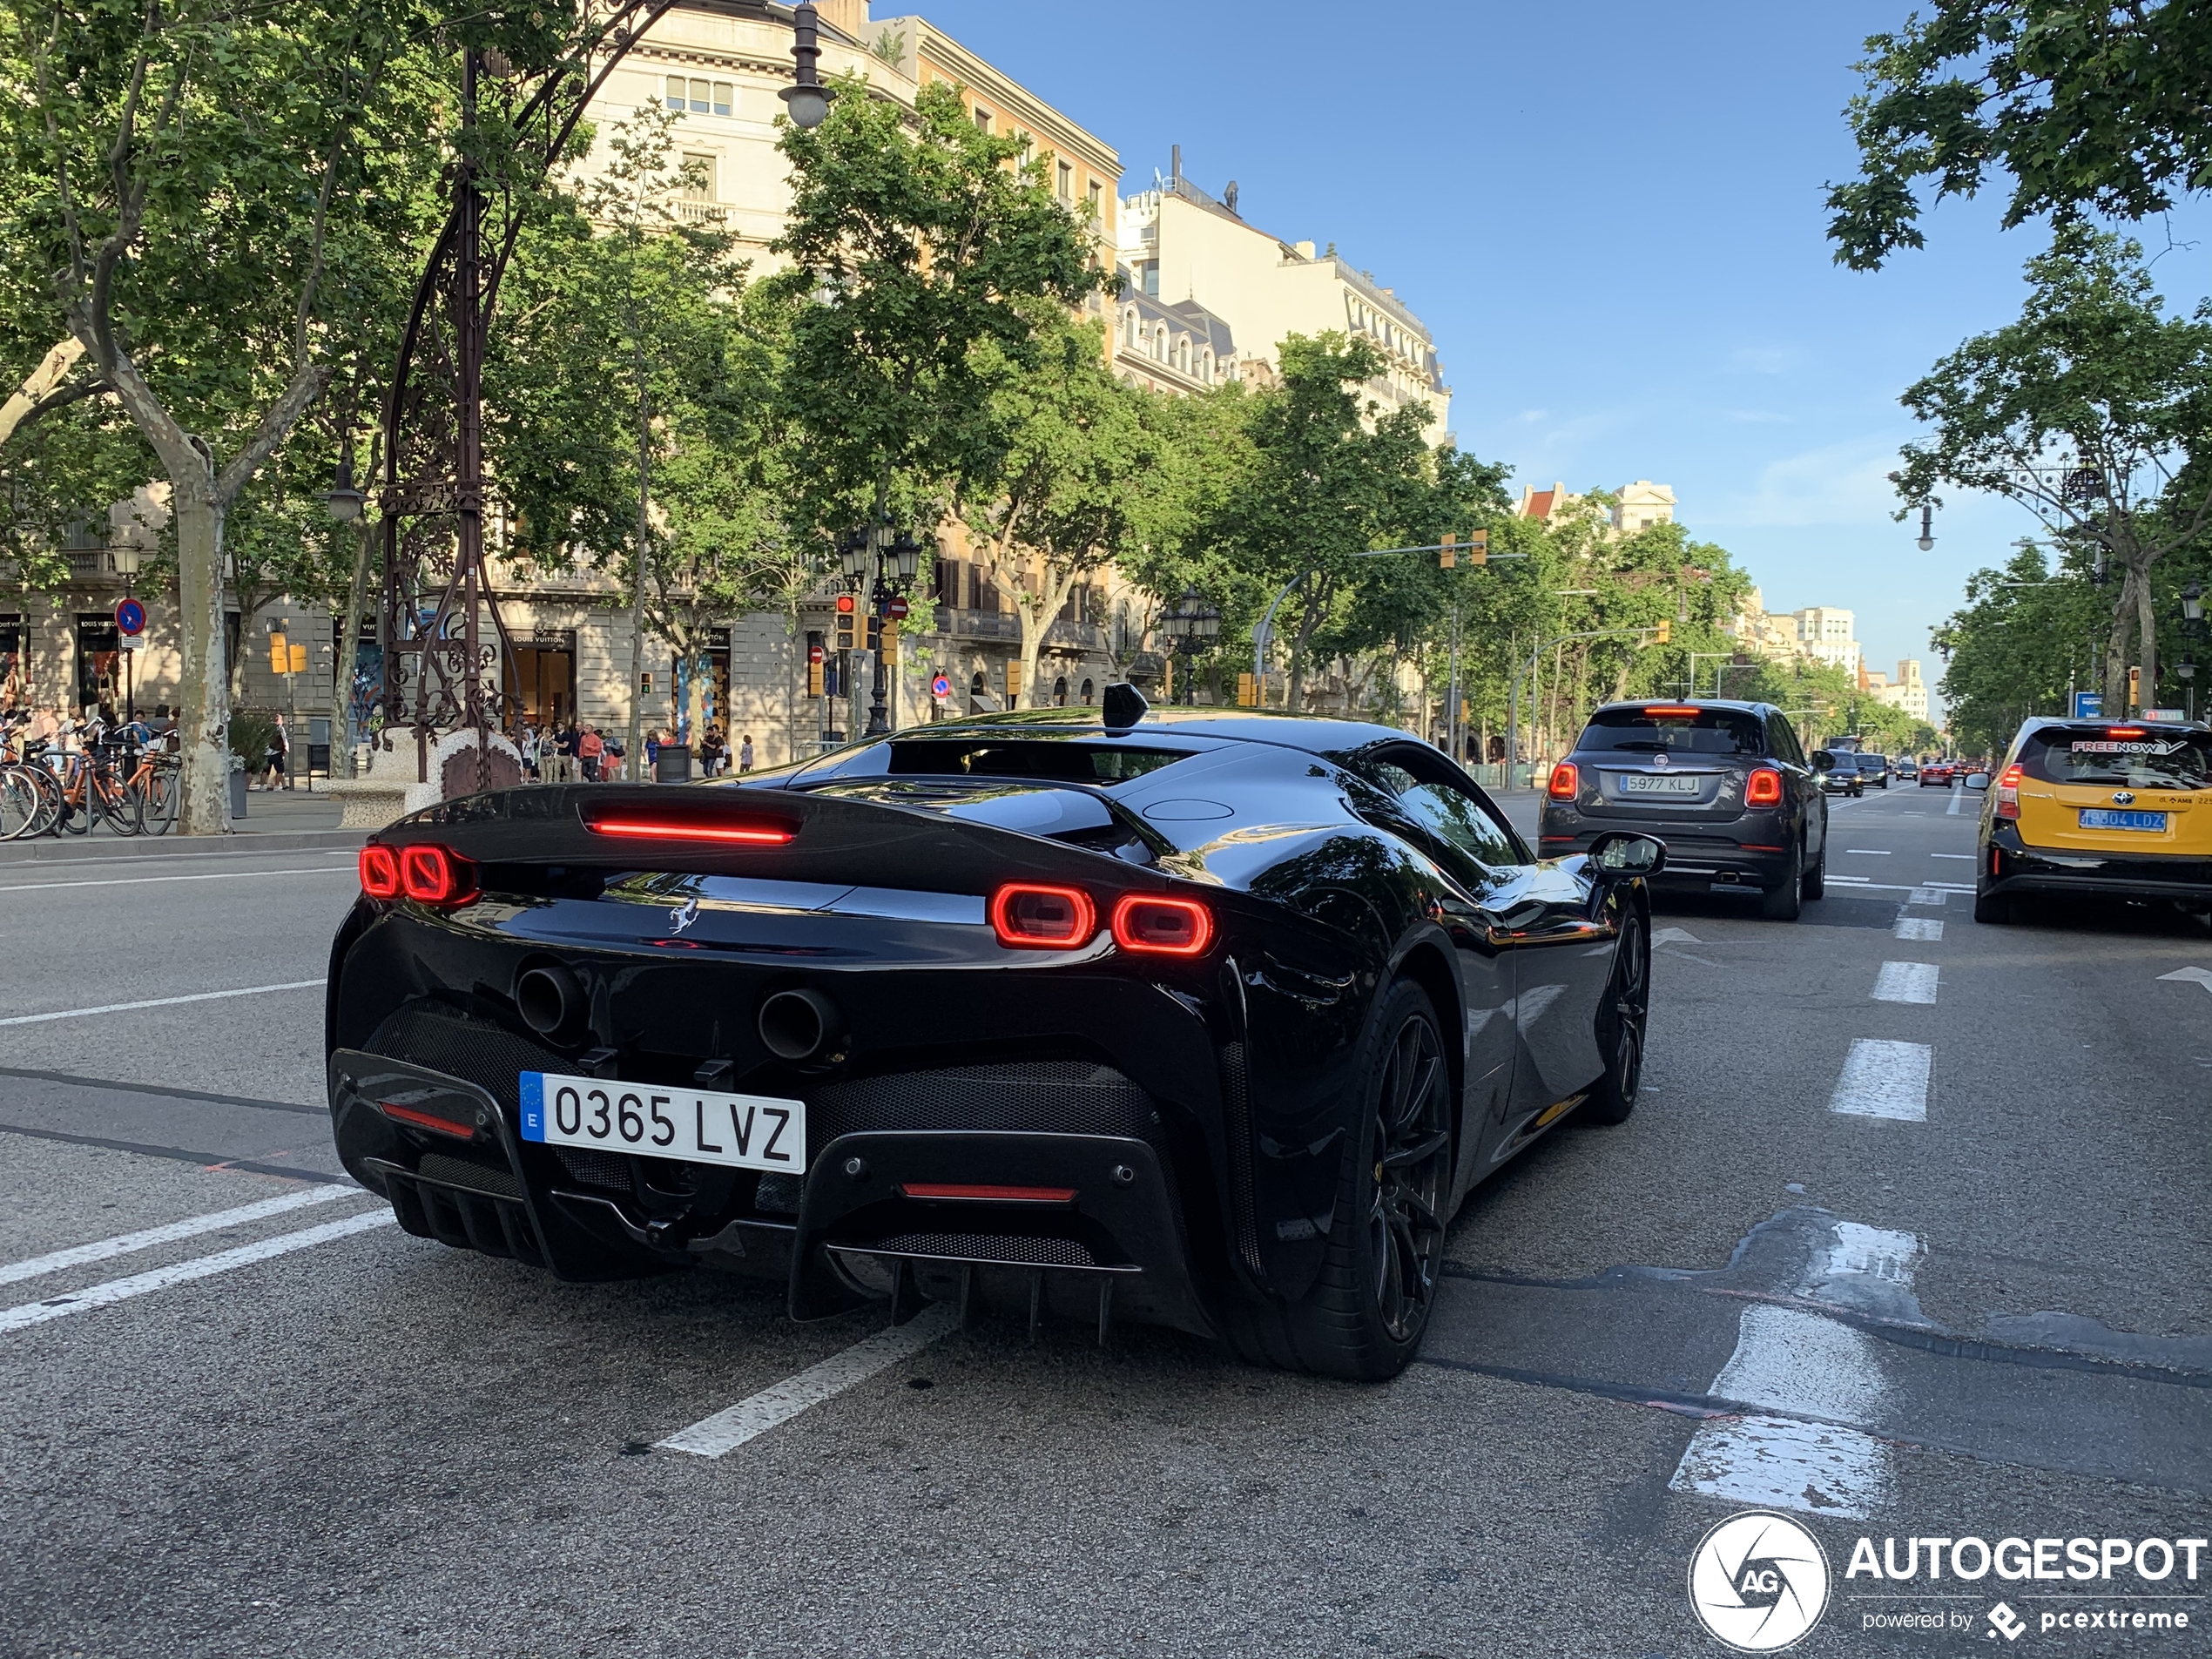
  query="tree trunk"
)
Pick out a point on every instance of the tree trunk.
point(2146, 631)
point(203, 724)
point(2123, 622)
point(1053, 589)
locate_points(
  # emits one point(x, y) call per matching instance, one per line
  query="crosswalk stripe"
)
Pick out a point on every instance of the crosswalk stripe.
point(169, 1233)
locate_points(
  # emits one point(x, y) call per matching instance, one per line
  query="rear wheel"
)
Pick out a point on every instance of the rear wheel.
point(1784, 900)
point(1363, 1318)
point(1621, 1023)
point(1997, 908)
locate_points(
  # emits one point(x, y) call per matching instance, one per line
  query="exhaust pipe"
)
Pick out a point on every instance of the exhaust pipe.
point(799, 1025)
point(552, 1001)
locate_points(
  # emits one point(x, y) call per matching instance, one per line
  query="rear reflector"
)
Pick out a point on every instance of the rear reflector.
point(431, 875)
point(1039, 918)
point(1565, 781)
point(379, 868)
point(730, 832)
point(430, 1121)
point(962, 1193)
point(1763, 788)
point(1670, 708)
point(1157, 926)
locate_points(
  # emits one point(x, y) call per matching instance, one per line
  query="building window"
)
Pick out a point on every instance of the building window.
point(702, 97)
point(701, 183)
point(1067, 182)
point(725, 97)
point(1205, 368)
point(1097, 199)
point(1129, 328)
point(1088, 698)
point(982, 120)
point(1152, 279)
point(676, 93)
point(1160, 344)
point(1027, 144)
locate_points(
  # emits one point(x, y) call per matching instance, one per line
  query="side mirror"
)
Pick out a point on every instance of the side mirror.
point(1976, 780)
point(1627, 854)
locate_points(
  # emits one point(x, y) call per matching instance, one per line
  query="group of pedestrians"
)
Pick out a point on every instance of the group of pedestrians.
point(571, 751)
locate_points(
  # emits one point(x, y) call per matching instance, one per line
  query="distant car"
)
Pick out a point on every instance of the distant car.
point(1908, 770)
point(1839, 774)
point(1875, 769)
point(2088, 807)
point(1725, 784)
point(1937, 771)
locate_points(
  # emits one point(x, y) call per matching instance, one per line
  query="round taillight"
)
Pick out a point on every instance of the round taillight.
point(379, 868)
point(1158, 927)
point(1566, 781)
point(1041, 918)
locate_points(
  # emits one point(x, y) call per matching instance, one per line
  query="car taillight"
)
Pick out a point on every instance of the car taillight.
point(1677, 711)
point(1038, 918)
point(718, 828)
point(379, 868)
point(433, 875)
point(1566, 781)
point(1157, 926)
point(2008, 792)
point(1763, 788)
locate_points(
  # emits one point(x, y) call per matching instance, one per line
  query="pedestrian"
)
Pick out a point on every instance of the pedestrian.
point(272, 762)
point(652, 755)
point(713, 746)
point(745, 753)
point(526, 744)
point(565, 746)
point(589, 748)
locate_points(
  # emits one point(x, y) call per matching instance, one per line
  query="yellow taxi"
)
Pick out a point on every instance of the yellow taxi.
point(2115, 810)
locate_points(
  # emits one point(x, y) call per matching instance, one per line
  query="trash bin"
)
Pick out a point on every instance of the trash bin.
point(238, 794)
point(673, 765)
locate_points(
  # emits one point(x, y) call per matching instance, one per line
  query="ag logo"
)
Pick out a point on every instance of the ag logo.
point(1758, 1582)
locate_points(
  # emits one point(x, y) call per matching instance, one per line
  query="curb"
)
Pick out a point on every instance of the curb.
point(95, 846)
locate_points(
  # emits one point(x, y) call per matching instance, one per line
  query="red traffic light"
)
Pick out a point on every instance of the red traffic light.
point(814, 653)
point(844, 604)
point(896, 609)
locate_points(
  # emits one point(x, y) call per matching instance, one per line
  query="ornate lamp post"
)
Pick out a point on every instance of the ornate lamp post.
point(1188, 623)
point(894, 559)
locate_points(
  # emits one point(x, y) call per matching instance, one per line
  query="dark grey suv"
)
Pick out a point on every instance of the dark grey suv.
point(1726, 786)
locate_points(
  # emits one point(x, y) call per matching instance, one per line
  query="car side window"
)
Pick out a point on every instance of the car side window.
point(1782, 740)
point(1453, 817)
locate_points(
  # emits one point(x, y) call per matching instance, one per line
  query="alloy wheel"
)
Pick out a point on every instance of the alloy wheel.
point(1412, 1156)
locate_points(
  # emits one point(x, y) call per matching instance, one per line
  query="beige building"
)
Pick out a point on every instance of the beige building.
point(1907, 692)
point(1642, 504)
point(1762, 632)
point(1829, 634)
point(1183, 248)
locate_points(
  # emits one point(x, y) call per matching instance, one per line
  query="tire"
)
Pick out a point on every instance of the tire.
point(1622, 1020)
point(1996, 910)
point(1364, 1316)
point(1784, 900)
point(1814, 883)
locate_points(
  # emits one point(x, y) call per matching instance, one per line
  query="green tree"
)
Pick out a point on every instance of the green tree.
point(2020, 642)
point(2087, 412)
point(2095, 108)
point(919, 252)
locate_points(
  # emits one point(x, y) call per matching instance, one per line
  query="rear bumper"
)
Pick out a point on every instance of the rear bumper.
point(1117, 1246)
point(1753, 850)
point(2019, 868)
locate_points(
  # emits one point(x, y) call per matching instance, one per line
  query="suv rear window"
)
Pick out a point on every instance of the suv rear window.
point(2128, 757)
point(1660, 728)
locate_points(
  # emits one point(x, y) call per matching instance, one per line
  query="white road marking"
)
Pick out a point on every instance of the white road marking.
point(2199, 974)
point(1968, 857)
point(123, 1244)
point(141, 881)
point(1927, 895)
point(1789, 1360)
point(1857, 880)
point(1919, 927)
point(1884, 1079)
point(727, 1430)
point(159, 1002)
point(1956, 796)
point(1862, 1266)
point(1954, 886)
point(1905, 982)
point(1671, 935)
point(160, 1278)
point(1869, 852)
point(1774, 1463)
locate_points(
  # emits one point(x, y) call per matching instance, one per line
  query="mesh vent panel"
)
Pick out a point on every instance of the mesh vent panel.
point(596, 1168)
point(475, 1050)
point(477, 1177)
point(1049, 1096)
point(992, 1247)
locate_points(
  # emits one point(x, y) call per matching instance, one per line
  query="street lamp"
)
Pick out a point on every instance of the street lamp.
point(805, 98)
point(894, 559)
point(1927, 542)
point(2187, 669)
point(342, 500)
point(2193, 603)
point(1188, 622)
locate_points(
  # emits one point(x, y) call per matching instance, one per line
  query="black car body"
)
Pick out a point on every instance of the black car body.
point(1874, 769)
point(1002, 1096)
point(1838, 773)
point(1725, 784)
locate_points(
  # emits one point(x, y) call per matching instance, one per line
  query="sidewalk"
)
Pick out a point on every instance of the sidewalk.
point(277, 821)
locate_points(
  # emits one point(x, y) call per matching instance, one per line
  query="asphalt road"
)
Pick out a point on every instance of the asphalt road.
point(1908, 1238)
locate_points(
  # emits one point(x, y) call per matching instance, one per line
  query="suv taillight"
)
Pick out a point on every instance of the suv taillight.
point(1762, 788)
point(2008, 792)
point(1566, 781)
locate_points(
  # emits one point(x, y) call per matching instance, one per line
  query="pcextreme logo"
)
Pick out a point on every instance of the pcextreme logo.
point(1758, 1582)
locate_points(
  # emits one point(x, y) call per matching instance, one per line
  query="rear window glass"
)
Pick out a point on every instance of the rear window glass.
point(2127, 757)
point(1079, 763)
point(1707, 732)
point(1873, 763)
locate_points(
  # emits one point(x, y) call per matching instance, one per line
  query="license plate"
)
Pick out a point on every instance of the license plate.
point(746, 1131)
point(1658, 783)
point(2106, 817)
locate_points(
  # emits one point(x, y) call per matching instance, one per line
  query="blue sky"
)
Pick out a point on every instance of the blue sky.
point(1609, 213)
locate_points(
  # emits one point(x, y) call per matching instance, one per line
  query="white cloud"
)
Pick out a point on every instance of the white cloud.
point(1838, 483)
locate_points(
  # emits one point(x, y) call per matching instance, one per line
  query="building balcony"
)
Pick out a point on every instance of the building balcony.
point(693, 212)
point(978, 624)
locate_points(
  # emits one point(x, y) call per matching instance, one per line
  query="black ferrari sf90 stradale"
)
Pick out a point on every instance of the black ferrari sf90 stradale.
point(1205, 1018)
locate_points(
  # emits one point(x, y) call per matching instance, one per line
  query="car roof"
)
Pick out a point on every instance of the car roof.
point(2067, 723)
point(1643, 703)
point(1314, 733)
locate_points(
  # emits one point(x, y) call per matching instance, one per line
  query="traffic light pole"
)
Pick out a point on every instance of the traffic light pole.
point(1512, 696)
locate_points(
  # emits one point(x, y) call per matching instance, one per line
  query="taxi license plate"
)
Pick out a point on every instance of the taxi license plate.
point(1657, 783)
point(2106, 817)
point(745, 1131)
